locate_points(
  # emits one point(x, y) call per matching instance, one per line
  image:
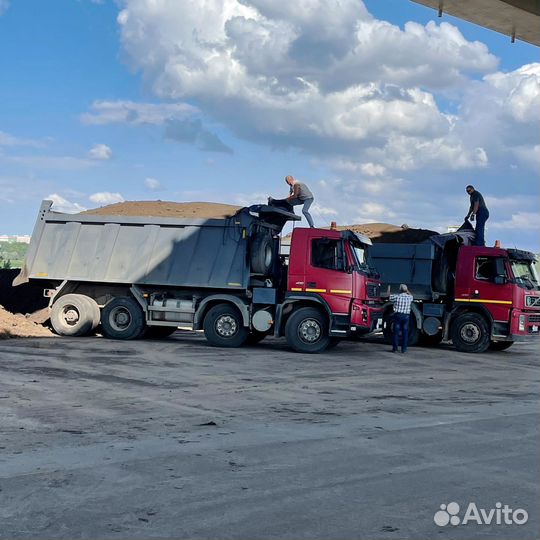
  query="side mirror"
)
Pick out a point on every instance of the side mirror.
point(500, 280)
point(349, 268)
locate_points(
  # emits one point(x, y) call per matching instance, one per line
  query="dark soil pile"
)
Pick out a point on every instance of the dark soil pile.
point(387, 234)
point(26, 298)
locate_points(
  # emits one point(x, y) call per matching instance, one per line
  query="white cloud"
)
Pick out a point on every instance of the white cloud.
point(100, 152)
point(4, 6)
point(105, 197)
point(324, 77)
point(152, 184)
point(521, 221)
point(130, 112)
point(60, 204)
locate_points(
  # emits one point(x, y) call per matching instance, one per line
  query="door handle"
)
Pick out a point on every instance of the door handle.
point(311, 284)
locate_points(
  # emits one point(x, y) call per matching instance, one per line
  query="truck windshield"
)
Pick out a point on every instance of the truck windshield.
point(525, 274)
point(359, 253)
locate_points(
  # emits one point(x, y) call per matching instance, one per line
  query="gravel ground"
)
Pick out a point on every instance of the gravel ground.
point(175, 439)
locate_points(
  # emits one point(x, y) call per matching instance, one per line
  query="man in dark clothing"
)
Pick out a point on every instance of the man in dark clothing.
point(478, 210)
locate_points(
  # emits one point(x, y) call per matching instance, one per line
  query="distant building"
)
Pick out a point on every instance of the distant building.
point(20, 238)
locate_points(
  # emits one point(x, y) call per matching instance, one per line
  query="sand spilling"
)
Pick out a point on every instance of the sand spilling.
point(17, 325)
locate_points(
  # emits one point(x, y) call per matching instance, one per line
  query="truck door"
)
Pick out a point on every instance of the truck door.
point(490, 286)
point(327, 273)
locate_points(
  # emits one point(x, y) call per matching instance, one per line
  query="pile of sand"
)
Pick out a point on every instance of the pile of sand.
point(17, 325)
point(195, 210)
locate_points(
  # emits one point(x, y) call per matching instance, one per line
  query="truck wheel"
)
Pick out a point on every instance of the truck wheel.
point(470, 333)
point(159, 332)
point(123, 318)
point(73, 315)
point(223, 326)
point(307, 331)
point(96, 312)
point(500, 345)
point(388, 329)
point(262, 255)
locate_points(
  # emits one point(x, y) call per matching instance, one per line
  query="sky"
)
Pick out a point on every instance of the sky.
point(385, 110)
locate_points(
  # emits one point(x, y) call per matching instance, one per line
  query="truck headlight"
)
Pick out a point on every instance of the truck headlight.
point(522, 323)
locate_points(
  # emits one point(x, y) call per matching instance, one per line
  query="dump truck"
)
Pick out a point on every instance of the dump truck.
point(479, 297)
point(138, 276)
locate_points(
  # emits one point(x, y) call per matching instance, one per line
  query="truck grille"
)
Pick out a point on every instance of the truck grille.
point(373, 291)
point(534, 318)
point(532, 301)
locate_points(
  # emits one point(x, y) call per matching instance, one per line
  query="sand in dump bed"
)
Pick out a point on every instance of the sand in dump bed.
point(194, 210)
point(17, 325)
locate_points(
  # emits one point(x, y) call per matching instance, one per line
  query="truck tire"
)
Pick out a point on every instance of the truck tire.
point(123, 318)
point(73, 315)
point(159, 332)
point(470, 333)
point(306, 331)
point(96, 313)
point(388, 329)
point(224, 327)
point(262, 255)
point(500, 345)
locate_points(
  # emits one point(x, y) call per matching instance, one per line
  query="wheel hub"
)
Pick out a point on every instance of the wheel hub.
point(71, 315)
point(309, 330)
point(226, 326)
point(470, 333)
point(120, 318)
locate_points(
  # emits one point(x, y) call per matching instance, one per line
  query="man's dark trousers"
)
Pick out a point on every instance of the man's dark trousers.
point(401, 327)
point(481, 217)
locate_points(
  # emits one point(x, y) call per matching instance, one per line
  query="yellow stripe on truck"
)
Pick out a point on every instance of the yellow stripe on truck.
point(340, 291)
point(484, 301)
point(296, 289)
point(315, 290)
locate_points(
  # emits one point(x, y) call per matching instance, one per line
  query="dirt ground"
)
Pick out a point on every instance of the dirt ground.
point(175, 439)
point(202, 210)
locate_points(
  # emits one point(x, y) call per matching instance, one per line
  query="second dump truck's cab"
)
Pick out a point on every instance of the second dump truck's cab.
point(496, 299)
point(331, 292)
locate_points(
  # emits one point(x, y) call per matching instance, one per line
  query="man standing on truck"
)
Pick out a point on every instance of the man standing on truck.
point(300, 194)
point(402, 311)
point(479, 210)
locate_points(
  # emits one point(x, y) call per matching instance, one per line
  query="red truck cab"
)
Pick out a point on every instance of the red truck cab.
point(502, 286)
point(328, 273)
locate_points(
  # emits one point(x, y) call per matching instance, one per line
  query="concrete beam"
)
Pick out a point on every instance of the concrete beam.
point(519, 19)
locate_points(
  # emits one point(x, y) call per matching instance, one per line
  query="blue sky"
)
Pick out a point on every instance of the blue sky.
point(385, 121)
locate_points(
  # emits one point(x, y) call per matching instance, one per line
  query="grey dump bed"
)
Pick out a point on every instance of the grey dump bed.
point(147, 250)
point(405, 263)
point(426, 268)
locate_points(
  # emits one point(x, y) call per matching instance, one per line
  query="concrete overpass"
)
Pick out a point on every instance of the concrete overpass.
point(519, 19)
